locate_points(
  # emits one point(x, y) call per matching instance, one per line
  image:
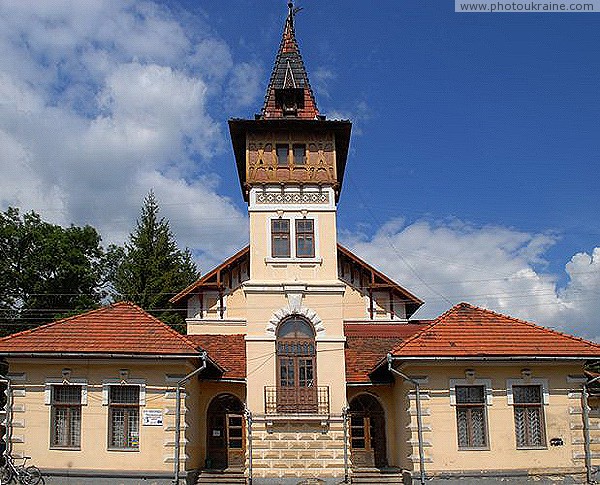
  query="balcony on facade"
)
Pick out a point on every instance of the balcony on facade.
point(297, 400)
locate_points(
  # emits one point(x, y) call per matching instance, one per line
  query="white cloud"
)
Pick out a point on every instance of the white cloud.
point(495, 267)
point(102, 100)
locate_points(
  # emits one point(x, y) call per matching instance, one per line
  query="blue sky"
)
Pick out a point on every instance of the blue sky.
point(472, 172)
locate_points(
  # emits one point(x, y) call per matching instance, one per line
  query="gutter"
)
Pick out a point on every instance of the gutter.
point(586, 429)
point(91, 355)
point(180, 384)
point(415, 383)
point(508, 358)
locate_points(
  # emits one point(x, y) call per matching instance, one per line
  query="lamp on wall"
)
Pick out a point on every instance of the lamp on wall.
point(526, 374)
point(66, 375)
point(123, 375)
point(470, 374)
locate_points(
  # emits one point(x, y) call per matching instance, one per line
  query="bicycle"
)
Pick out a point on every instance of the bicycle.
point(26, 475)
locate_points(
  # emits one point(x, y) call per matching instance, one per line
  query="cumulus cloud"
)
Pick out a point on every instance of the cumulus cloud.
point(446, 262)
point(101, 101)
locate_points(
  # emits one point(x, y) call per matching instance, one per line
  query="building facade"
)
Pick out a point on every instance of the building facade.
point(301, 361)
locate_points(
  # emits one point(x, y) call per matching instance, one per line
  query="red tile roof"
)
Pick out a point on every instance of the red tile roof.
point(121, 328)
point(227, 351)
point(468, 331)
point(368, 344)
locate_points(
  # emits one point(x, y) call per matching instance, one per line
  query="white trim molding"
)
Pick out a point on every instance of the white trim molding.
point(295, 308)
point(293, 217)
point(532, 381)
point(486, 383)
point(106, 383)
point(63, 382)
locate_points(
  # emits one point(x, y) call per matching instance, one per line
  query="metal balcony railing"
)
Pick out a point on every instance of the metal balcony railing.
point(297, 400)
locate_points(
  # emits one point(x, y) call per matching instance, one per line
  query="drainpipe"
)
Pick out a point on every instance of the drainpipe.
point(586, 430)
point(390, 358)
point(248, 414)
point(8, 415)
point(180, 384)
point(345, 410)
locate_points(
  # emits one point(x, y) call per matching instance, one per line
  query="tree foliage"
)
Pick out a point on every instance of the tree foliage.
point(151, 268)
point(46, 271)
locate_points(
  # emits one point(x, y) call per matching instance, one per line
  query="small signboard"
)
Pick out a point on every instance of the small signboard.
point(152, 417)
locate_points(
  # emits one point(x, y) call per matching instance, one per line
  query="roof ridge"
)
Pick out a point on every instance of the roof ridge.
point(530, 324)
point(167, 327)
point(56, 322)
point(423, 330)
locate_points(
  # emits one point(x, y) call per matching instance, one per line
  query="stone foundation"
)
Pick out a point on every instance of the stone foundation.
point(298, 450)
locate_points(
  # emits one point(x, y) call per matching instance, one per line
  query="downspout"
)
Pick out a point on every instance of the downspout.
point(248, 414)
point(390, 358)
point(180, 384)
point(345, 410)
point(586, 430)
point(7, 416)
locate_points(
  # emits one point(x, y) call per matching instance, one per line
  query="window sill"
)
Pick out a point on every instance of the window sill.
point(529, 448)
point(482, 448)
point(65, 448)
point(123, 449)
point(271, 260)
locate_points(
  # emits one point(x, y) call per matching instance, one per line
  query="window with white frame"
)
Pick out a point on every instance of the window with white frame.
point(280, 238)
point(471, 417)
point(124, 417)
point(66, 416)
point(305, 238)
point(529, 416)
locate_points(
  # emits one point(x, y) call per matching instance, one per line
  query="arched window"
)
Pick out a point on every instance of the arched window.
point(296, 366)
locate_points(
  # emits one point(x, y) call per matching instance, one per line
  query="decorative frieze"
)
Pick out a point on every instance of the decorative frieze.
point(292, 198)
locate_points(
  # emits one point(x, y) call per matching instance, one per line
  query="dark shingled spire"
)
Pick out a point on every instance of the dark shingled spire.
point(289, 94)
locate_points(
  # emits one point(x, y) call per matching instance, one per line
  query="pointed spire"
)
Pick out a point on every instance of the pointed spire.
point(289, 93)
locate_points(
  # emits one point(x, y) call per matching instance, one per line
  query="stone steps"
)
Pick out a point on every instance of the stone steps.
point(221, 477)
point(391, 476)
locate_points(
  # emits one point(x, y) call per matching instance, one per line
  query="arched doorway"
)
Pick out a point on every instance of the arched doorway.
point(367, 432)
point(225, 433)
point(296, 366)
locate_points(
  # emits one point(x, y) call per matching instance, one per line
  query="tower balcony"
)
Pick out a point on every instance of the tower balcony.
point(297, 400)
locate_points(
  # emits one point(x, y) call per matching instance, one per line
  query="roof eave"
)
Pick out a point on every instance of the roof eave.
point(98, 355)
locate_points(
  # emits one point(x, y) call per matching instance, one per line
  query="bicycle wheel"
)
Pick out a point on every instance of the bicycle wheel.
point(31, 476)
point(6, 475)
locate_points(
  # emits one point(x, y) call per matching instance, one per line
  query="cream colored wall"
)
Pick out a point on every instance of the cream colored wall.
point(326, 238)
point(562, 420)
point(31, 416)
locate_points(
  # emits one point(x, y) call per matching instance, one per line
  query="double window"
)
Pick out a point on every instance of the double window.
point(281, 238)
point(66, 416)
point(124, 417)
point(470, 417)
point(283, 154)
point(529, 416)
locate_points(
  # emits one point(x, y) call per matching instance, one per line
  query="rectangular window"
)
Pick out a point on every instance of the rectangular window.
point(305, 238)
point(282, 154)
point(299, 154)
point(470, 416)
point(124, 417)
point(280, 238)
point(529, 416)
point(66, 416)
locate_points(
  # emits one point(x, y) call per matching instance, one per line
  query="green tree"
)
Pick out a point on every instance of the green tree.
point(151, 268)
point(46, 271)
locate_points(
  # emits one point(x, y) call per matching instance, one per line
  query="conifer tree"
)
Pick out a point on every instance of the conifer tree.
point(151, 268)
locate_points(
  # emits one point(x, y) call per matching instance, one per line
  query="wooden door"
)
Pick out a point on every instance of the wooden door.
point(367, 432)
point(235, 441)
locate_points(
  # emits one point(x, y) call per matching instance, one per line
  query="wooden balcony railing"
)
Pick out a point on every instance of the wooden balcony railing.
point(297, 400)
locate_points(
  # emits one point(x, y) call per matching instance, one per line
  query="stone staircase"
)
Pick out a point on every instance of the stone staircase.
point(221, 477)
point(379, 476)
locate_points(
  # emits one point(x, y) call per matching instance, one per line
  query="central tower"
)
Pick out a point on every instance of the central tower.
point(291, 161)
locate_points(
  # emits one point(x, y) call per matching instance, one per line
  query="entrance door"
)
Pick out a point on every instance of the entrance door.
point(367, 432)
point(225, 440)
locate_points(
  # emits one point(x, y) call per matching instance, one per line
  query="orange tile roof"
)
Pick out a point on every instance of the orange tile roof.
point(121, 328)
point(227, 351)
point(468, 331)
point(368, 344)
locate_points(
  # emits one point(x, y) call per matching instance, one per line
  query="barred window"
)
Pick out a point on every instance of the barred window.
point(124, 417)
point(470, 417)
point(529, 416)
point(280, 238)
point(66, 417)
point(305, 238)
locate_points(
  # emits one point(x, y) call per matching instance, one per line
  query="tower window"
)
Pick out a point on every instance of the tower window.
point(282, 154)
point(305, 238)
point(280, 238)
point(299, 154)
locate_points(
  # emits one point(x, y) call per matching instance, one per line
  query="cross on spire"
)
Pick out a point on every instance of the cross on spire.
point(289, 93)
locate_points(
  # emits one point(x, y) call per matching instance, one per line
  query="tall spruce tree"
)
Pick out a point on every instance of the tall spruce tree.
point(151, 268)
point(47, 271)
